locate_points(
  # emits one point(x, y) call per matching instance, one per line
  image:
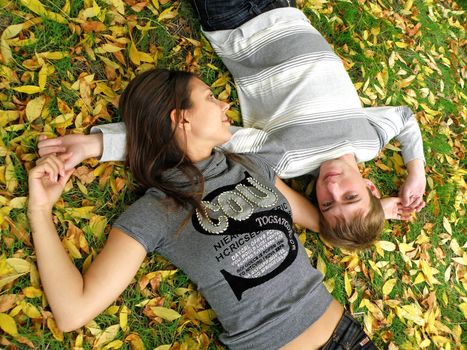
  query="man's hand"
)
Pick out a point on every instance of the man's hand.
point(394, 210)
point(413, 189)
point(71, 149)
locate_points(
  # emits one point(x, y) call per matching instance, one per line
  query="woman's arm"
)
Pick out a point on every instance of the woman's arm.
point(303, 212)
point(75, 299)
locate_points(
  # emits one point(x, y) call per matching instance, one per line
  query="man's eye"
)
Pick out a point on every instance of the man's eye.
point(351, 197)
point(327, 204)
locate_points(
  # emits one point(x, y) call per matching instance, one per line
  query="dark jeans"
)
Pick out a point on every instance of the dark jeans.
point(229, 14)
point(349, 335)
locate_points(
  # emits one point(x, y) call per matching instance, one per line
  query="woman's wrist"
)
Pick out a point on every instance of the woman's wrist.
point(39, 213)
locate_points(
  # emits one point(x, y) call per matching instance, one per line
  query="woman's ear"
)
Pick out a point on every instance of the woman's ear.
point(183, 123)
point(371, 186)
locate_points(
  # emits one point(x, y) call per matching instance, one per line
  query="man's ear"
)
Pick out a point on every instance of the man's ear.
point(371, 186)
point(183, 123)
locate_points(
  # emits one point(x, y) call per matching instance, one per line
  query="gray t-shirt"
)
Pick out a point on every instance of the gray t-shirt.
point(243, 255)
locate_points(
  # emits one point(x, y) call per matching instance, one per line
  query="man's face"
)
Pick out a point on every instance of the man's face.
point(341, 191)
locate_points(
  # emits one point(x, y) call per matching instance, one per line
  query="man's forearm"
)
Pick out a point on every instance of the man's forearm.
point(416, 167)
point(95, 146)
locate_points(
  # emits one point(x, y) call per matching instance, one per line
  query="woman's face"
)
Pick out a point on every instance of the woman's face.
point(205, 122)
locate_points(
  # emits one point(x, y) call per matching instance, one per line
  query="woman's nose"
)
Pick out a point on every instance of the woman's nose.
point(225, 106)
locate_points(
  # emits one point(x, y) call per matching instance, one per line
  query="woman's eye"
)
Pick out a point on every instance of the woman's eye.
point(327, 204)
point(351, 197)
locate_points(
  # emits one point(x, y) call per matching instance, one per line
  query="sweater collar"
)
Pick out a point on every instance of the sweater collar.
point(209, 167)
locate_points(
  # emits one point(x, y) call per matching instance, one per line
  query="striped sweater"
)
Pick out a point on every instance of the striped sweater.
point(299, 106)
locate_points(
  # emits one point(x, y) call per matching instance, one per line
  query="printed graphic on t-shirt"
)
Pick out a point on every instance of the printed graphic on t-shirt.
point(256, 241)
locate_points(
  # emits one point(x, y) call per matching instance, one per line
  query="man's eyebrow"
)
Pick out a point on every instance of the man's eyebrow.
point(353, 201)
point(346, 203)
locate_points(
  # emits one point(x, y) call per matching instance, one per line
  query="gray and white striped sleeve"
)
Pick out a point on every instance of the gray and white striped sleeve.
point(114, 141)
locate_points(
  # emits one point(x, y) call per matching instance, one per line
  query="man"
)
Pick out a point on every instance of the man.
point(301, 113)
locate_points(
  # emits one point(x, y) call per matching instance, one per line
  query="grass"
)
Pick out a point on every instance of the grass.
point(373, 38)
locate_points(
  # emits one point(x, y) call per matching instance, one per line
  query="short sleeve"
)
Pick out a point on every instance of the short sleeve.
point(145, 221)
point(258, 165)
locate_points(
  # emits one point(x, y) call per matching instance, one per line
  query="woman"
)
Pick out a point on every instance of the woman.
point(227, 222)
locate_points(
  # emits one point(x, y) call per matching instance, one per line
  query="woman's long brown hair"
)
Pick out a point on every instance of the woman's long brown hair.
point(152, 149)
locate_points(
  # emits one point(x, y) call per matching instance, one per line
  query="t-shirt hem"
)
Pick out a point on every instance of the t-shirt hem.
point(133, 235)
point(283, 330)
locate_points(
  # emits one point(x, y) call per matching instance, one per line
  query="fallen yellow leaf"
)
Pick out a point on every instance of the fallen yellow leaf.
point(28, 89)
point(8, 324)
point(115, 344)
point(135, 341)
point(32, 292)
point(168, 13)
point(34, 108)
point(165, 313)
point(57, 333)
point(348, 286)
point(388, 286)
point(97, 225)
point(107, 335)
point(19, 265)
point(321, 265)
point(163, 347)
point(30, 310)
point(123, 318)
point(7, 117)
point(206, 316)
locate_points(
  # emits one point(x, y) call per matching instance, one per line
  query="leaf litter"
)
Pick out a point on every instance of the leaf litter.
point(409, 291)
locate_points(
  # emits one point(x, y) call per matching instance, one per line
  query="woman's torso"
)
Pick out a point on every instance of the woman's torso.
point(245, 259)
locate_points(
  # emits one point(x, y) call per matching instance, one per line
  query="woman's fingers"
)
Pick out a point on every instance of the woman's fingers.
point(53, 166)
point(63, 179)
point(45, 169)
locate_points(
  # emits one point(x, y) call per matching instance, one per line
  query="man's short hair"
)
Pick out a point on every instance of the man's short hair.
point(360, 232)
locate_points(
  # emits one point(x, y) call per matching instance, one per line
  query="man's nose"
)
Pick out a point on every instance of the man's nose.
point(333, 187)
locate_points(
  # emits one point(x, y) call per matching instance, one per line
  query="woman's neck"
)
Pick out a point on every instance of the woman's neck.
point(199, 155)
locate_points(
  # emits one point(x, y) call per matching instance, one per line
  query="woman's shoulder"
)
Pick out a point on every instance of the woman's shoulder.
point(152, 206)
point(255, 164)
point(146, 220)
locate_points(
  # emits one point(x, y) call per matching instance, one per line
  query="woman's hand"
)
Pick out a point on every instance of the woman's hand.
point(72, 149)
point(394, 210)
point(47, 181)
